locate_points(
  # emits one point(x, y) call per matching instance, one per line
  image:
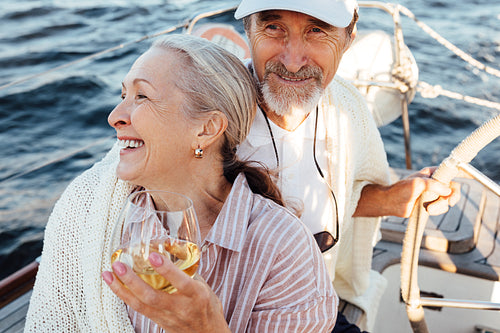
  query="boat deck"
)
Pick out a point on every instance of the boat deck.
point(465, 240)
point(15, 293)
point(13, 315)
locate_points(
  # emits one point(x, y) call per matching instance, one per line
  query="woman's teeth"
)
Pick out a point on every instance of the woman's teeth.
point(130, 143)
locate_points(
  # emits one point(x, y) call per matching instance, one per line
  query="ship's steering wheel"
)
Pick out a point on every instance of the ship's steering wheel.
point(446, 171)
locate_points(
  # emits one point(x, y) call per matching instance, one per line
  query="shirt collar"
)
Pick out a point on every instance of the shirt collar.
point(259, 134)
point(230, 227)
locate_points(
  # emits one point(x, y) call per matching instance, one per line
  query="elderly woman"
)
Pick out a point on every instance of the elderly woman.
point(186, 105)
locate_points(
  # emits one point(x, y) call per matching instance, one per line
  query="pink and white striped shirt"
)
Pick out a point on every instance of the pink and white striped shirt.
point(265, 267)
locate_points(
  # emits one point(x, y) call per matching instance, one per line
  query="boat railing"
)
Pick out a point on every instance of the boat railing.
point(480, 177)
point(198, 17)
point(462, 304)
point(19, 283)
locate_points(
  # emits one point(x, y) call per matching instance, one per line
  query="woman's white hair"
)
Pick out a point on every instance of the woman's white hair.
point(212, 78)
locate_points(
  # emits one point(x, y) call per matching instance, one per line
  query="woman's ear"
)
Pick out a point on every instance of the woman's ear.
point(214, 124)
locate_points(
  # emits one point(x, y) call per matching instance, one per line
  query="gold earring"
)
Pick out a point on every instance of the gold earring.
point(198, 152)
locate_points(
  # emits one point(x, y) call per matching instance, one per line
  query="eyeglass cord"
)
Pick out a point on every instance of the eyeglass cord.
point(272, 138)
point(337, 235)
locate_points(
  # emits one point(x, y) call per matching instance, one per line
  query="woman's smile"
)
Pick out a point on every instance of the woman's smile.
point(130, 143)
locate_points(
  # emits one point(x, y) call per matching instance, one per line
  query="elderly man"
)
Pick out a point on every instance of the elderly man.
point(315, 130)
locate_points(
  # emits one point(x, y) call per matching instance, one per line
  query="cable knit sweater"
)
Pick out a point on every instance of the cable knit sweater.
point(356, 157)
point(68, 293)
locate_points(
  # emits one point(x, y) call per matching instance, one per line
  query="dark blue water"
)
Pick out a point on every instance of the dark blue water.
point(62, 116)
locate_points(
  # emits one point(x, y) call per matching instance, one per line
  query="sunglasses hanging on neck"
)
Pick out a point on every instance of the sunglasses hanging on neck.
point(324, 239)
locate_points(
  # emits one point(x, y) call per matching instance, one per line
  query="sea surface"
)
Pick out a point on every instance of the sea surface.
point(54, 126)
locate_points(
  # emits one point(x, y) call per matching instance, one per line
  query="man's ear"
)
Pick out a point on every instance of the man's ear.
point(214, 124)
point(351, 38)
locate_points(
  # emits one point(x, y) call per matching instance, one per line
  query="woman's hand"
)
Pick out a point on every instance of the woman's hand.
point(399, 198)
point(194, 307)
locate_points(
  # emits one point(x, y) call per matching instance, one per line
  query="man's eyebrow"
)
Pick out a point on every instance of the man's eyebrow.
point(270, 15)
point(321, 24)
point(267, 15)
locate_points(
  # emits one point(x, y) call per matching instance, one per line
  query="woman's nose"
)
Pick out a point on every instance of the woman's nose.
point(119, 117)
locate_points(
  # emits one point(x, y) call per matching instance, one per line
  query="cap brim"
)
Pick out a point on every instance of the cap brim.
point(337, 13)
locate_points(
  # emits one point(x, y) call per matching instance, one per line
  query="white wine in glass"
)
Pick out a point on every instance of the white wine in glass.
point(162, 222)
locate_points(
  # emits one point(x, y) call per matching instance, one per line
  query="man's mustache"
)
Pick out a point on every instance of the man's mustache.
point(305, 72)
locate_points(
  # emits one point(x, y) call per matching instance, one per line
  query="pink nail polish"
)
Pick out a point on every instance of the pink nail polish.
point(155, 259)
point(119, 268)
point(107, 277)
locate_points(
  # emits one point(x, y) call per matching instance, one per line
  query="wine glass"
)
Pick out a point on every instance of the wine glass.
point(162, 222)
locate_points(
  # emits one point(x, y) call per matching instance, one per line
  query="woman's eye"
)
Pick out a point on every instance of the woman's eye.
point(140, 96)
point(316, 30)
point(122, 96)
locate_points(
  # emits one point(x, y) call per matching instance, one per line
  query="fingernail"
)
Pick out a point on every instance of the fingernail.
point(107, 277)
point(119, 268)
point(155, 259)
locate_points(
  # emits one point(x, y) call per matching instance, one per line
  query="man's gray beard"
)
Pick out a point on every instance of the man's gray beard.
point(287, 101)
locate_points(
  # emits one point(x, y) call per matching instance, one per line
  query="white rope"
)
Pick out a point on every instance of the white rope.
point(466, 57)
point(429, 91)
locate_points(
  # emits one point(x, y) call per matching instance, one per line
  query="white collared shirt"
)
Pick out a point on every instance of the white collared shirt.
point(299, 179)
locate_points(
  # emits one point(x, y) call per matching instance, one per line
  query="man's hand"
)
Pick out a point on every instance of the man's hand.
point(399, 198)
point(194, 307)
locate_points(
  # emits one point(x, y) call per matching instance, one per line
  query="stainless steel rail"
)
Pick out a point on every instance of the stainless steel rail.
point(480, 177)
point(198, 17)
point(463, 304)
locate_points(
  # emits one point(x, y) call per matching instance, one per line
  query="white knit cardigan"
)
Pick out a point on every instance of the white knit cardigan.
point(70, 294)
point(356, 157)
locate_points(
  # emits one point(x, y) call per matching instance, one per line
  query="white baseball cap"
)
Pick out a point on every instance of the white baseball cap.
point(338, 13)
